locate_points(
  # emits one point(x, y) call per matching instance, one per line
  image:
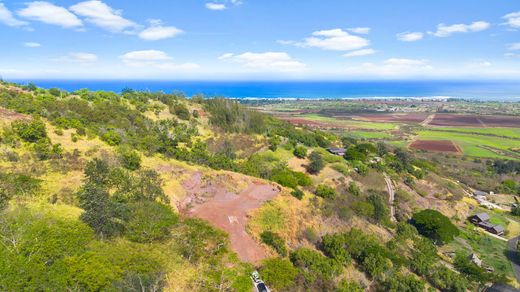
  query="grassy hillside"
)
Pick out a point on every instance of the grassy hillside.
point(101, 191)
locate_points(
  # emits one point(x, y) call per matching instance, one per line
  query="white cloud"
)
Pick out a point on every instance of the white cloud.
point(215, 6)
point(268, 61)
point(51, 14)
point(410, 36)
point(514, 47)
point(102, 15)
point(159, 32)
point(79, 57)
point(394, 67)
point(32, 45)
point(155, 59)
point(225, 56)
point(513, 19)
point(359, 53)
point(7, 18)
point(333, 40)
point(447, 30)
point(479, 64)
point(360, 30)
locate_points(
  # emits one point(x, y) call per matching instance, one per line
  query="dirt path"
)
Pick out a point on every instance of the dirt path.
point(391, 196)
point(428, 120)
point(229, 211)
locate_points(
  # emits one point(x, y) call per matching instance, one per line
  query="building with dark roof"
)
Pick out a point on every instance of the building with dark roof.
point(337, 151)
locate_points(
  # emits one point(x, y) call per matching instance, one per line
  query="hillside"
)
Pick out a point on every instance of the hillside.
point(153, 191)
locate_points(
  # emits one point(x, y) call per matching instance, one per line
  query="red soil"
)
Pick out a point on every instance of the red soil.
point(436, 145)
point(402, 118)
point(229, 211)
point(12, 116)
point(475, 121)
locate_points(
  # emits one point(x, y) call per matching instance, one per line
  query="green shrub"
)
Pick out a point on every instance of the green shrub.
point(181, 111)
point(275, 241)
point(325, 192)
point(300, 151)
point(316, 163)
point(130, 159)
point(298, 194)
point(112, 138)
point(278, 273)
point(32, 131)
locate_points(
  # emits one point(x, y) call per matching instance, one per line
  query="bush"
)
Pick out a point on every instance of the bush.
point(298, 194)
point(32, 131)
point(181, 111)
point(300, 151)
point(316, 163)
point(275, 241)
point(130, 160)
point(313, 265)
point(278, 273)
point(435, 226)
point(112, 138)
point(354, 189)
point(325, 192)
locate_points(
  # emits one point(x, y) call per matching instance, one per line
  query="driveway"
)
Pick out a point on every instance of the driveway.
point(514, 256)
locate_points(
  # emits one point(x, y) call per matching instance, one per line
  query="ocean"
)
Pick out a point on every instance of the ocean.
point(478, 90)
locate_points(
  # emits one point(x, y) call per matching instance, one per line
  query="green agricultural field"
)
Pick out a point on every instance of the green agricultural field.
point(502, 132)
point(369, 134)
point(471, 144)
point(349, 123)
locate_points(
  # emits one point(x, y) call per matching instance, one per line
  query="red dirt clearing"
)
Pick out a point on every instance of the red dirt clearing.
point(229, 211)
point(435, 145)
point(12, 116)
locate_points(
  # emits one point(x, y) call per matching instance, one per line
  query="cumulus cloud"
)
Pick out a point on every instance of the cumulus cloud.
point(360, 30)
point(102, 15)
point(159, 32)
point(7, 18)
point(410, 36)
point(447, 30)
point(156, 59)
point(215, 6)
point(268, 61)
point(332, 40)
point(513, 19)
point(359, 53)
point(51, 14)
point(32, 45)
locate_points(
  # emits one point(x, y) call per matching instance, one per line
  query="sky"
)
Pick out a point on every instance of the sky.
point(260, 39)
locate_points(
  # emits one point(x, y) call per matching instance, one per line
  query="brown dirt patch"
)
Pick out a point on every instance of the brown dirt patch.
point(475, 121)
point(399, 118)
point(9, 115)
point(436, 145)
point(229, 210)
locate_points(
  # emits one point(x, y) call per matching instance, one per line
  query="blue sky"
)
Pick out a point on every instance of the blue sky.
point(260, 39)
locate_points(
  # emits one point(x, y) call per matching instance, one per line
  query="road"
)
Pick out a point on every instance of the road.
point(391, 196)
point(428, 120)
point(513, 257)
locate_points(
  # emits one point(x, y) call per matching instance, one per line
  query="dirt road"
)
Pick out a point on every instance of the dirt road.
point(428, 120)
point(514, 258)
point(391, 196)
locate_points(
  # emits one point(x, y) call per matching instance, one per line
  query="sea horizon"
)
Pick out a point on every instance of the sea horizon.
point(483, 90)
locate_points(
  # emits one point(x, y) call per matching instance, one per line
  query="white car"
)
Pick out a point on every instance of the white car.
point(259, 284)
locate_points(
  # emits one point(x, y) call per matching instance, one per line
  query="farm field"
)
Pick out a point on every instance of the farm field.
point(435, 145)
point(344, 123)
point(502, 132)
point(472, 145)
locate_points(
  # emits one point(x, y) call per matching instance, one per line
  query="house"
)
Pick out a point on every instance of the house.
point(478, 218)
point(482, 221)
point(336, 151)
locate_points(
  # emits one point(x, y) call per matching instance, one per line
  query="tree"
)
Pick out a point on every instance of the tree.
point(334, 246)
point(274, 142)
point(435, 226)
point(278, 273)
point(101, 213)
point(325, 192)
point(149, 221)
point(400, 282)
point(300, 151)
point(275, 241)
point(316, 163)
point(182, 111)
